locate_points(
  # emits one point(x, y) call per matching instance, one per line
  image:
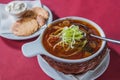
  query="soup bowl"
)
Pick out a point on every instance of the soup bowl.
point(68, 66)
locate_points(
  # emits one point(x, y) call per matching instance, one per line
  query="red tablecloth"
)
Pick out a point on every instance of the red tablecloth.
point(106, 13)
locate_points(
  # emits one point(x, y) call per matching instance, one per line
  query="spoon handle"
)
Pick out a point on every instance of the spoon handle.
point(106, 39)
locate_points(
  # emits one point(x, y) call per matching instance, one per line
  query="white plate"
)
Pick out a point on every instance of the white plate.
point(6, 20)
point(86, 76)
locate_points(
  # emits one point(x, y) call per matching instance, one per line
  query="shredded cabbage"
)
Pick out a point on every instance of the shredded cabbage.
point(71, 34)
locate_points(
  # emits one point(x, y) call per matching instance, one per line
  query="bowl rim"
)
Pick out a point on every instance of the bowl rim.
point(76, 60)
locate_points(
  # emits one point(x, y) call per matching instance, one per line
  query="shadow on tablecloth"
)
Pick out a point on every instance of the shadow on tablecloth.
point(16, 44)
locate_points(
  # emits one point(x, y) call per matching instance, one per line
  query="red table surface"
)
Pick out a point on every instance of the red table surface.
point(106, 13)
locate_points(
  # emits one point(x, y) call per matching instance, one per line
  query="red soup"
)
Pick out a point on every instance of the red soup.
point(70, 39)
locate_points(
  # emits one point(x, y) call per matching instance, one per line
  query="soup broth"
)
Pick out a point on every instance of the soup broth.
point(70, 39)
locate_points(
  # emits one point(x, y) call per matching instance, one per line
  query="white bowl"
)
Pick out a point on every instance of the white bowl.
point(16, 8)
point(82, 65)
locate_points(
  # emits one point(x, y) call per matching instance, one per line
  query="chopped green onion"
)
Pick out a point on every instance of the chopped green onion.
point(71, 34)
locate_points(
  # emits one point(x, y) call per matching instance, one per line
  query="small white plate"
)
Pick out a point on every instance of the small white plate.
point(6, 20)
point(51, 72)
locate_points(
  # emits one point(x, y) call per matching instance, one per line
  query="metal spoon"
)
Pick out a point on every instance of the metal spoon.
point(106, 39)
point(102, 38)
